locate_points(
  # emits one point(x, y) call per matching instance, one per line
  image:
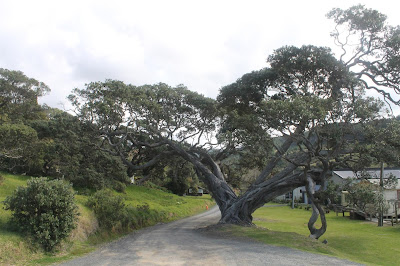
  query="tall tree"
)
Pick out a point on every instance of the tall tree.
point(306, 96)
point(309, 110)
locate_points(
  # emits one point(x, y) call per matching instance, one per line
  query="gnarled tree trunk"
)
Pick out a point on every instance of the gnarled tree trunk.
point(317, 210)
point(239, 209)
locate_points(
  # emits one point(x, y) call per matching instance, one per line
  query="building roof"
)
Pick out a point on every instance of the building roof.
point(373, 172)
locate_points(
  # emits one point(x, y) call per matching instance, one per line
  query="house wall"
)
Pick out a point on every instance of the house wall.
point(298, 193)
point(391, 195)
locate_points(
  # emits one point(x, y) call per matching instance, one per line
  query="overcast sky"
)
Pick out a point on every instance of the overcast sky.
point(201, 44)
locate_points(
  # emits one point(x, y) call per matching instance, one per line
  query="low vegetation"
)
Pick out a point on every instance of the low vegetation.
point(150, 205)
point(355, 240)
point(44, 209)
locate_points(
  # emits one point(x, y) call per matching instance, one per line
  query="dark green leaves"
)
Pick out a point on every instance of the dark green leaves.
point(45, 210)
point(359, 18)
point(154, 110)
point(308, 70)
point(19, 95)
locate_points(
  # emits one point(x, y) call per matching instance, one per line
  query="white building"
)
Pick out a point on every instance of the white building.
point(299, 194)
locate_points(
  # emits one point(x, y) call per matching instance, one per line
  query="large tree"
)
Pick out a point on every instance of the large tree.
point(294, 118)
point(20, 150)
point(156, 122)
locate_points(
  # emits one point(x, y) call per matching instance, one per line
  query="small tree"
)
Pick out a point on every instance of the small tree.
point(381, 205)
point(44, 209)
point(366, 197)
point(362, 194)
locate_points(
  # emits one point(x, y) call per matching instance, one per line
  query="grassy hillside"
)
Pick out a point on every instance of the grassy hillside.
point(16, 249)
point(355, 240)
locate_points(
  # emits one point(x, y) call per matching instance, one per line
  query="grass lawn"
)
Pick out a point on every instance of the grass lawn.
point(355, 240)
point(15, 249)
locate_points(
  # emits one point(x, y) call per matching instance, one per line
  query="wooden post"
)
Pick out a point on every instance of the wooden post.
point(380, 219)
point(293, 199)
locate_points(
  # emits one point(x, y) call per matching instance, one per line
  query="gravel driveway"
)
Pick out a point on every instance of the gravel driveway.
point(180, 243)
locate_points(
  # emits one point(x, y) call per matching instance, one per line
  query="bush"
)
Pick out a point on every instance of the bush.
point(142, 216)
point(45, 210)
point(119, 186)
point(113, 214)
point(109, 208)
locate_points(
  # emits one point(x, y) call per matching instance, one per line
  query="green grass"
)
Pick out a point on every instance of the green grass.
point(15, 249)
point(175, 206)
point(355, 240)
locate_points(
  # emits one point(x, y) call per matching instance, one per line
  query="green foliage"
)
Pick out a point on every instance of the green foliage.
point(149, 184)
point(45, 209)
point(37, 140)
point(113, 214)
point(380, 145)
point(180, 114)
point(18, 96)
point(179, 173)
point(366, 196)
point(72, 152)
point(109, 208)
point(332, 193)
point(20, 149)
point(309, 70)
point(15, 249)
point(306, 96)
point(112, 103)
point(370, 47)
point(142, 216)
point(359, 18)
point(119, 186)
point(390, 182)
point(178, 185)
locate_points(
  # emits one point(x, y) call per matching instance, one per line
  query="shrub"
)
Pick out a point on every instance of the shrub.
point(109, 208)
point(113, 214)
point(141, 216)
point(45, 210)
point(119, 186)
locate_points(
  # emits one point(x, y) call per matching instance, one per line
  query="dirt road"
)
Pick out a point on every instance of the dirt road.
point(181, 243)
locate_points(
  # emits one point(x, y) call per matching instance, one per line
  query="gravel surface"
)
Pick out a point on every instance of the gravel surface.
point(182, 243)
